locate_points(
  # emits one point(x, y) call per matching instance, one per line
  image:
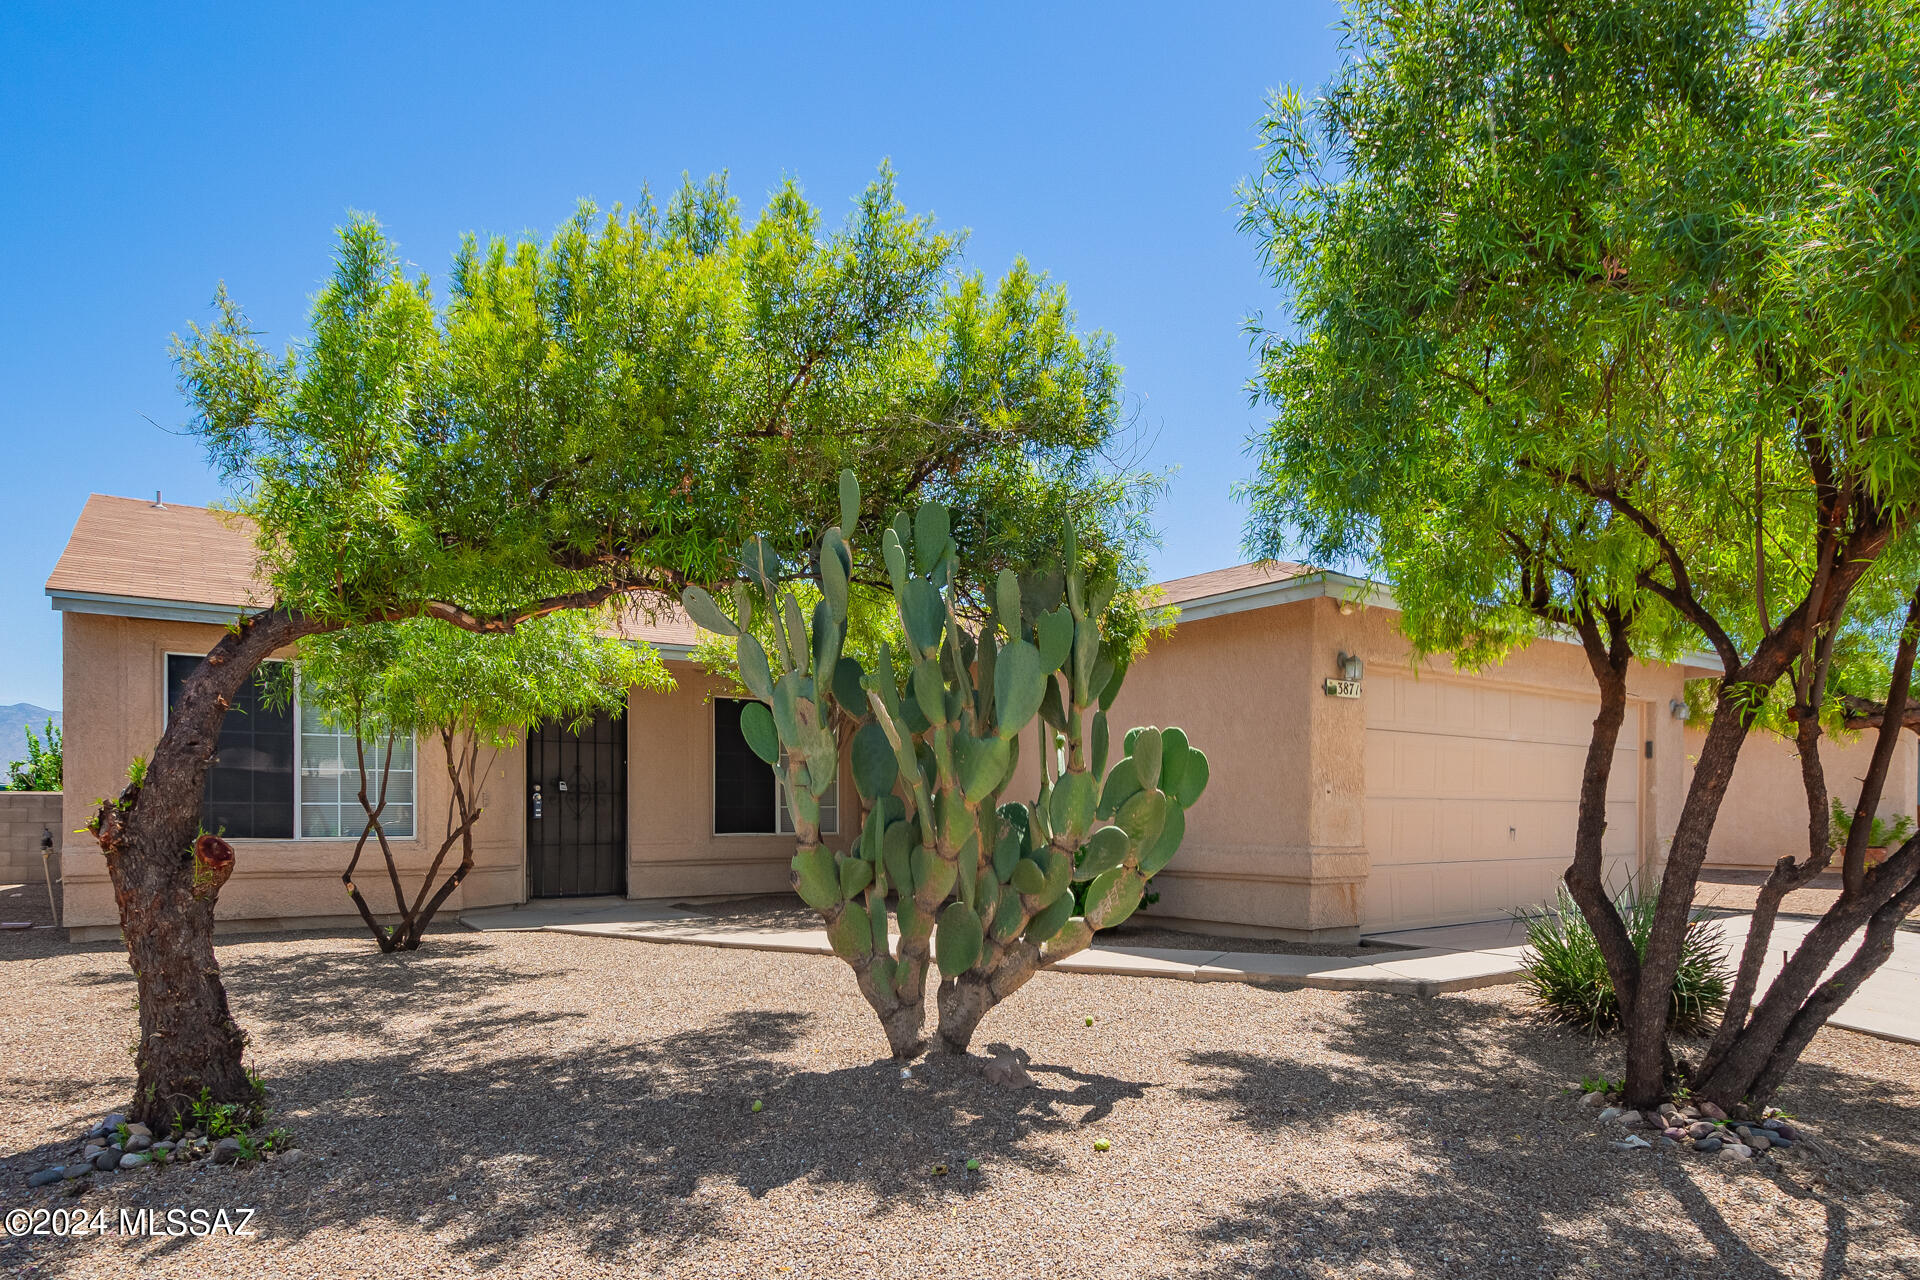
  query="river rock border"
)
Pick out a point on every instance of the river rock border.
point(115, 1146)
point(1701, 1128)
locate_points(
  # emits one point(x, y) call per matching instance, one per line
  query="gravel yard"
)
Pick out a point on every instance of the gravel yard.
point(540, 1104)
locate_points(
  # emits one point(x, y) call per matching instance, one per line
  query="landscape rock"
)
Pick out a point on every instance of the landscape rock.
point(1632, 1142)
point(46, 1177)
point(1759, 1141)
point(1701, 1129)
point(132, 1160)
point(80, 1170)
point(140, 1131)
point(293, 1157)
point(1712, 1112)
point(1612, 1113)
point(1629, 1117)
point(1736, 1151)
point(139, 1142)
point(1707, 1146)
point(106, 1160)
point(1665, 1142)
point(1007, 1071)
point(1598, 1098)
point(226, 1151)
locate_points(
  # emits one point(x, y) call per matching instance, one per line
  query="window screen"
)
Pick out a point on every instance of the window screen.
point(743, 786)
point(330, 780)
point(829, 806)
point(250, 786)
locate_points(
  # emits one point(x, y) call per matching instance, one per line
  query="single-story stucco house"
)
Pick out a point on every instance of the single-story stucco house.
point(1408, 797)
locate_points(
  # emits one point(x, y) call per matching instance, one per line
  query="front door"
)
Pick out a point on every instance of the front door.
point(577, 809)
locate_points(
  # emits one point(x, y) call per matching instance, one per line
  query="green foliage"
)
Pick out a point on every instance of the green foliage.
point(935, 725)
point(1886, 833)
point(420, 676)
point(617, 406)
point(1537, 311)
point(40, 771)
point(1566, 973)
point(469, 691)
point(1599, 323)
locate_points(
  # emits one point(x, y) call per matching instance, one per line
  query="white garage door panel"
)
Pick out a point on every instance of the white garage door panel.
point(1473, 794)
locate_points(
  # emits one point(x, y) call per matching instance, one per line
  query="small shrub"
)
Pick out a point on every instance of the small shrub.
point(1567, 974)
point(41, 770)
point(1885, 834)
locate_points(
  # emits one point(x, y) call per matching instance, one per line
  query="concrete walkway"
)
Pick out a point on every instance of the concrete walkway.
point(1424, 963)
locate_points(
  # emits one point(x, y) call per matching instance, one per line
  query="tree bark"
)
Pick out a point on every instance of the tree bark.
point(1585, 875)
point(1649, 1060)
point(189, 1041)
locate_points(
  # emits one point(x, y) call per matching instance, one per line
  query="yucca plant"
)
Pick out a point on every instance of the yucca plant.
point(1567, 974)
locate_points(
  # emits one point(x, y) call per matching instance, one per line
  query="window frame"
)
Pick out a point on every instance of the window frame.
point(413, 747)
point(713, 781)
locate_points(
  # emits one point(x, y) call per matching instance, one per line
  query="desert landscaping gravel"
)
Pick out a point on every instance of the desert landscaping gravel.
point(537, 1104)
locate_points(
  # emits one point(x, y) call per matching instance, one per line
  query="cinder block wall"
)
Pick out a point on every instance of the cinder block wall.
point(23, 816)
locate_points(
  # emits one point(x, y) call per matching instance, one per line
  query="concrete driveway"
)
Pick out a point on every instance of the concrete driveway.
point(1887, 1004)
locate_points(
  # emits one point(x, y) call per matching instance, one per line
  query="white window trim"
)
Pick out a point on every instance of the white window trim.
point(780, 804)
point(166, 711)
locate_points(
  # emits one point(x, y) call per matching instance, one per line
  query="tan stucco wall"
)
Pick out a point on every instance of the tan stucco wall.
point(673, 849)
point(1278, 841)
point(114, 694)
point(1764, 815)
point(114, 672)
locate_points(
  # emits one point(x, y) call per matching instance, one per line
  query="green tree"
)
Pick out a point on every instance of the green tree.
point(1603, 322)
point(604, 413)
point(40, 771)
point(475, 694)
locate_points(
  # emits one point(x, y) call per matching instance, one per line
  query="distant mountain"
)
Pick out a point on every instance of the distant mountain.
point(13, 731)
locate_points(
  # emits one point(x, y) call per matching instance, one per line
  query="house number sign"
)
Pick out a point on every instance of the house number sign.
point(1343, 688)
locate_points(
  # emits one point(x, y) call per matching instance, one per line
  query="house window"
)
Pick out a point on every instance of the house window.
point(829, 805)
point(330, 779)
point(747, 796)
point(279, 766)
point(250, 786)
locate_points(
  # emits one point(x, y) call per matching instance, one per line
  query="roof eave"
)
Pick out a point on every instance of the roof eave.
point(1306, 586)
point(143, 607)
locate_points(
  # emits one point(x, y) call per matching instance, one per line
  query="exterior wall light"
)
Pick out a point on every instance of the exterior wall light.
point(1678, 708)
point(1347, 684)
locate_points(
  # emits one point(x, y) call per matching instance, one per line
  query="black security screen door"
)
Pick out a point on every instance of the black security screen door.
point(577, 809)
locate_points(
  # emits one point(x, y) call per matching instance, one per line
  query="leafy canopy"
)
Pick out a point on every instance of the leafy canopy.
point(420, 676)
point(616, 407)
point(1599, 312)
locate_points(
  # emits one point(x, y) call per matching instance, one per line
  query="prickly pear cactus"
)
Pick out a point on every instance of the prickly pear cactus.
point(946, 873)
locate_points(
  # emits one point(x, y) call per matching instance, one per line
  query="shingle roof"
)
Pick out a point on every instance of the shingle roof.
point(1240, 576)
point(131, 549)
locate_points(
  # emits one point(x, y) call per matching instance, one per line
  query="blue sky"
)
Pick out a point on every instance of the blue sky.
point(152, 151)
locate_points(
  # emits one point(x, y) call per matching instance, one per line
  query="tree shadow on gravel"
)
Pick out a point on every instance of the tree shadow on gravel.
point(1479, 1157)
point(625, 1149)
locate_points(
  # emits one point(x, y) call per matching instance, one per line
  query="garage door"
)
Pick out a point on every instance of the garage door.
point(1473, 791)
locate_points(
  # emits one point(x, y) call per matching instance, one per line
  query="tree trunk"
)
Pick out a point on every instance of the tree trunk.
point(189, 1041)
point(1649, 1061)
point(1799, 1002)
point(1584, 877)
